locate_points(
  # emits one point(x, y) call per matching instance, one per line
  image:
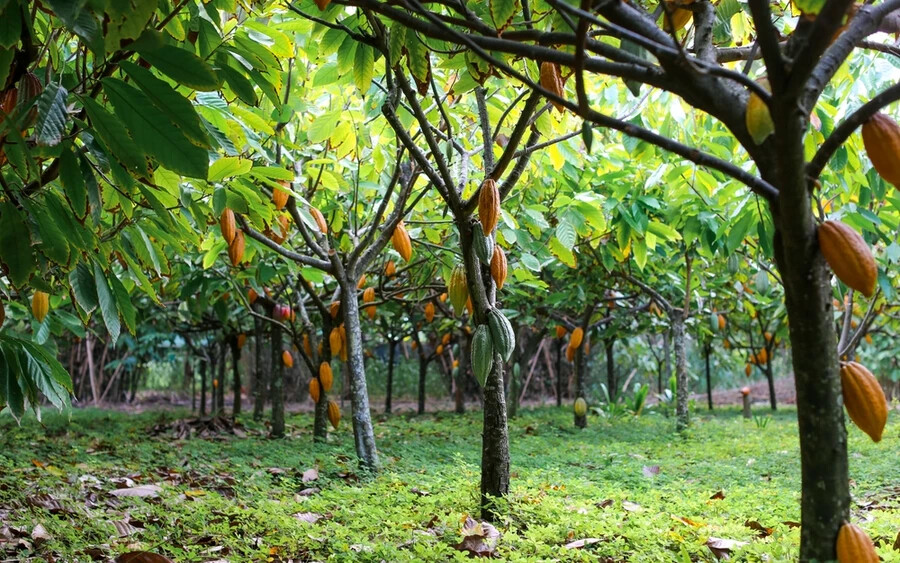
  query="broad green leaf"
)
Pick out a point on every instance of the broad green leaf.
point(397, 40)
point(15, 244)
point(107, 301)
point(560, 251)
point(115, 137)
point(363, 67)
point(73, 183)
point(323, 126)
point(182, 66)
point(10, 391)
point(10, 25)
point(227, 167)
point(81, 21)
point(239, 84)
point(52, 116)
point(81, 279)
point(124, 304)
point(502, 12)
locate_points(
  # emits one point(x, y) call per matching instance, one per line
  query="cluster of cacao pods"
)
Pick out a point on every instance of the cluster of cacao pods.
point(575, 341)
point(401, 241)
point(494, 336)
point(849, 256)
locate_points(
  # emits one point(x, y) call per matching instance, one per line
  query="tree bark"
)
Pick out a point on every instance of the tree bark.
point(203, 367)
point(707, 349)
point(236, 375)
point(260, 381)
point(682, 415)
point(667, 345)
point(580, 421)
point(770, 377)
point(277, 386)
point(220, 390)
point(92, 372)
point(559, 375)
point(392, 351)
point(494, 443)
point(609, 344)
point(462, 372)
point(423, 375)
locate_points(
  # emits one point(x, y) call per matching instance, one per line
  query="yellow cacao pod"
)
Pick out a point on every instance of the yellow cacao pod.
point(401, 242)
point(458, 289)
point(864, 399)
point(757, 118)
point(680, 17)
point(370, 310)
point(319, 219)
point(362, 282)
point(768, 336)
point(726, 345)
point(445, 339)
point(469, 305)
point(334, 340)
point(226, 225)
point(307, 347)
point(561, 331)
point(334, 308)
point(241, 340)
point(849, 256)
point(314, 391)
point(576, 338)
point(390, 270)
point(439, 349)
point(855, 546)
point(443, 297)
point(748, 369)
point(881, 139)
point(429, 311)
point(369, 295)
point(326, 376)
point(551, 80)
point(580, 406)
point(236, 248)
point(280, 196)
point(762, 356)
point(40, 305)
point(489, 206)
point(287, 359)
point(868, 339)
point(334, 414)
point(498, 266)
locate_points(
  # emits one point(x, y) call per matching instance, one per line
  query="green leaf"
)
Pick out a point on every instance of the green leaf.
point(78, 18)
point(51, 121)
point(239, 84)
point(107, 304)
point(417, 58)
point(227, 167)
point(93, 190)
point(154, 132)
point(115, 137)
point(15, 244)
point(565, 232)
point(123, 301)
point(323, 126)
point(564, 254)
point(502, 12)
point(10, 391)
point(182, 66)
point(397, 41)
point(127, 19)
point(363, 67)
point(73, 183)
point(54, 243)
point(10, 25)
point(84, 287)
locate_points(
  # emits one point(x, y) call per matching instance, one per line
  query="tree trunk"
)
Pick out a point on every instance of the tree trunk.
point(277, 386)
point(682, 416)
point(392, 351)
point(203, 367)
point(92, 372)
point(667, 346)
point(580, 421)
point(363, 433)
point(609, 343)
point(559, 376)
point(461, 373)
point(494, 443)
point(236, 375)
point(260, 381)
point(771, 379)
point(707, 349)
point(220, 390)
point(423, 374)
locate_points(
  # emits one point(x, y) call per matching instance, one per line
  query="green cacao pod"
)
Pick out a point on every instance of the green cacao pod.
point(483, 244)
point(482, 353)
point(458, 289)
point(502, 334)
point(734, 263)
point(580, 406)
point(762, 282)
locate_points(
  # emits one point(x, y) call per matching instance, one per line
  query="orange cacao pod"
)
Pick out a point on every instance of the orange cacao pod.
point(469, 305)
point(226, 224)
point(881, 139)
point(241, 340)
point(371, 311)
point(440, 349)
point(252, 296)
point(344, 347)
point(864, 399)
point(280, 196)
point(401, 242)
point(855, 546)
point(314, 391)
point(722, 322)
point(489, 206)
point(747, 370)
point(320, 220)
point(429, 311)
point(390, 270)
point(576, 338)
point(849, 256)
point(414, 345)
point(322, 4)
point(334, 414)
point(287, 359)
point(762, 356)
point(335, 308)
point(551, 80)
point(334, 340)
point(369, 295)
point(8, 102)
point(236, 248)
point(30, 88)
point(446, 339)
point(326, 376)
point(570, 354)
point(443, 297)
point(40, 305)
point(498, 266)
point(561, 331)
point(361, 282)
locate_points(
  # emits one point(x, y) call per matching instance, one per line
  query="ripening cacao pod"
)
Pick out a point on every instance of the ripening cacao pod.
point(580, 406)
point(370, 310)
point(414, 345)
point(854, 545)
point(400, 241)
point(864, 399)
point(314, 391)
point(576, 338)
point(29, 89)
point(849, 256)
point(369, 295)
point(734, 263)
point(280, 196)
point(226, 224)
point(362, 282)
point(483, 245)
point(455, 364)
point(726, 344)
point(443, 297)
point(469, 305)
point(319, 219)
point(551, 80)
point(8, 102)
point(561, 331)
point(570, 353)
point(307, 347)
point(498, 267)
point(334, 340)
point(390, 270)
point(236, 248)
point(679, 17)
point(287, 359)
point(768, 336)
point(429, 311)
point(40, 305)
point(241, 340)
point(459, 288)
point(326, 376)
point(252, 296)
point(748, 369)
point(440, 349)
point(489, 206)
point(334, 309)
point(721, 320)
point(482, 353)
point(445, 339)
point(757, 118)
point(502, 334)
point(344, 348)
point(868, 338)
point(322, 4)
point(334, 414)
point(762, 357)
point(881, 139)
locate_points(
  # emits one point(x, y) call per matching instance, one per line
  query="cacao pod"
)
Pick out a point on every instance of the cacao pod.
point(226, 224)
point(561, 331)
point(570, 353)
point(429, 311)
point(748, 369)
point(745, 391)
point(482, 353)
point(236, 248)
point(8, 102)
point(369, 295)
point(551, 80)
point(734, 263)
point(280, 196)
point(241, 340)
point(580, 406)
point(854, 545)
point(498, 266)
point(390, 270)
point(314, 391)
point(326, 376)
point(400, 241)
point(322, 4)
point(362, 282)
point(287, 359)
point(881, 139)
point(414, 345)
point(334, 340)
point(469, 305)
point(849, 256)
point(445, 339)
point(215, 383)
point(334, 309)
point(762, 282)
point(768, 336)
point(440, 349)
point(370, 310)
point(483, 245)
point(864, 399)
point(868, 337)
point(502, 335)
point(40, 305)
point(334, 414)
point(757, 117)
point(654, 308)
point(29, 89)
point(726, 345)
point(489, 206)
point(679, 17)
point(344, 348)
point(307, 347)
point(459, 288)
point(576, 338)
point(762, 356)
point(319, 219)
point(443, 297)
point(721, 321)
point(284, 225)
point(455, 364)
point(252, 296)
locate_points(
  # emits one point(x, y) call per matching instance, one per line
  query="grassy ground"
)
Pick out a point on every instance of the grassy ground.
point(237, 498)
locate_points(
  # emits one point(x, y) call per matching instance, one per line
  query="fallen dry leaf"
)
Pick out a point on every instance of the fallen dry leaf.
point(39, 535)
point(310, 517)
point(650, 470)
point(480, 539)
point(604, 503)
point(631, 506)
point(141, 491)
point(578, 544)
point(310, 474)
point(721, 548)
point(687, 521)
point(719, 495)
point(762, 531)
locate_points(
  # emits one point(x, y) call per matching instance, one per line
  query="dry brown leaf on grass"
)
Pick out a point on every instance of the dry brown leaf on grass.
point(762, 531)
point(480, 539)
point(721, 547)
point(310, 517)
point(310, 474)
point(142, 557)
point(141, 491)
